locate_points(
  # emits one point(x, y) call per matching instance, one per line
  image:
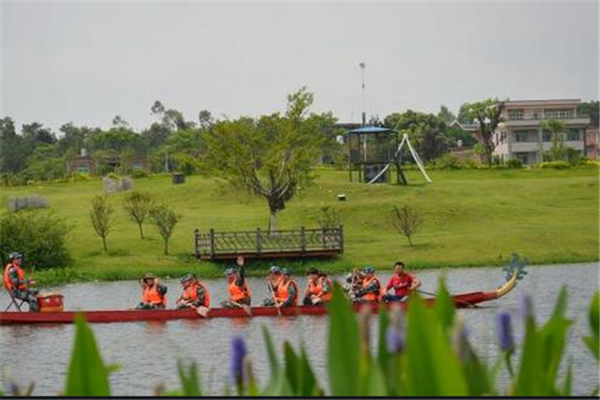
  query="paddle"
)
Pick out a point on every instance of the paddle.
point(244, 307)
point(201, 311)
point(273, 297)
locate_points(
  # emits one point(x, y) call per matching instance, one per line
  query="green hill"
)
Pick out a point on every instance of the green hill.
point(472, 218)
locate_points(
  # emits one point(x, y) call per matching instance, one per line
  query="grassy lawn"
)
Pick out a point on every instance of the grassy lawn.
point(472, 218)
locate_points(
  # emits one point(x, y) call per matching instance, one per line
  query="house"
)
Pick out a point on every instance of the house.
point(86, 164)
point(521, 134)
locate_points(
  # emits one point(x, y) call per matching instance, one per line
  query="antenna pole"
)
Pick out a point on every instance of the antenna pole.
point(363, 65)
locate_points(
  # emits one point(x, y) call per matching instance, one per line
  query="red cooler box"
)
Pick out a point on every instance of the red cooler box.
point(50, 302)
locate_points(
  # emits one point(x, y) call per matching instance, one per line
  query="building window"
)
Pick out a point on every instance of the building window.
point(558, 114)
point(83, 170)
point(573, 135)
point(547, 135)
point(521, 136)
point(515, 114)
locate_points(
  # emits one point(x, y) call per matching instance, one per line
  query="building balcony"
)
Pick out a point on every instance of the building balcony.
point(577, 120)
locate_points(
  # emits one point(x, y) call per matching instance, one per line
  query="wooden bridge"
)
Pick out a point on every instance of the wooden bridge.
point(322, 242)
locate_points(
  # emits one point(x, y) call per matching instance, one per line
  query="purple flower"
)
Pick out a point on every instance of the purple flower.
point(505, 332)
point(394, 340)
point(238, 353)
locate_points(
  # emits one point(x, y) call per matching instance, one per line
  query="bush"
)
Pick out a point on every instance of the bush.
point(40, 237)
point(139, 173)
point(79, 177)
point(112, 175)
point(514, 163)
point(555, 165)
point(447, 161)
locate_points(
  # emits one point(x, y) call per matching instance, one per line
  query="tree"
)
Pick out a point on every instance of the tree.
point(557, 129)
point(205, 119)
point(488, 115)
point(164, 219)
point(271, 156)
point(138, 205)
point(426, 132)
point(446, 115)
point(407, 221)
point(101, 217)
point(120, 122)
point(590, 108)
point(13, 149)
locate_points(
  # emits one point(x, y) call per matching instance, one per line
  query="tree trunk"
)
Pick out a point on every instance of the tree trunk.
point(104, 243)
point(272, 222)
point(141, 231)
point(409, 240)
point(166, 247)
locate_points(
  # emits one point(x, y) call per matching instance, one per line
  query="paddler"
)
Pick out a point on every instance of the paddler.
point(17, 284)
point(402, 282)
point(154, 293)
point(239, 291)
point(318, 289)
point(370, 290)
point(286, 292)
point(195, 293)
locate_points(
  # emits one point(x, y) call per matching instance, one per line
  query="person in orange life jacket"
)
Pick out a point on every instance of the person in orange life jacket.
point(318, 289)
point(153, 293)
point(370, 290)
point(15, 282)
point(402, 282)
point(239, 291)
point(195, 293)
point(286, 293)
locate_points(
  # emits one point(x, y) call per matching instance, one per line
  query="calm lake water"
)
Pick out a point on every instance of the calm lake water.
point(147, 353)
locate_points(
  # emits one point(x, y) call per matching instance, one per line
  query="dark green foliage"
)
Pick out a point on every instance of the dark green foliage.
point(514, 163)
point(164, 219)
point(40, 236)
point(426, 132)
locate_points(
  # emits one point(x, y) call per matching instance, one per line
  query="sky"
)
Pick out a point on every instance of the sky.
point(85, 62)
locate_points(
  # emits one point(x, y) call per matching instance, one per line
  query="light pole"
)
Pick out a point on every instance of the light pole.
point(362, 66)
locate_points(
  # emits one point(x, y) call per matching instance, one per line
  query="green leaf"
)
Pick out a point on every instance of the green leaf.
point(87, 375)
point(444, 306)
point(376, 385)
point(343, 354)
point(593, 341)
point(273, 363)
point(189, 382)
point(432, 368)
point(560, 307)
point(382, 352)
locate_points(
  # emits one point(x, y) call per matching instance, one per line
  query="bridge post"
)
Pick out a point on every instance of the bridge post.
point(196, 247)
point(212, 243)
point(303, 240)
point(258, 242)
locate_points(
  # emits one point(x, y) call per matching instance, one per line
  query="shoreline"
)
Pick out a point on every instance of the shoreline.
point(206, 270)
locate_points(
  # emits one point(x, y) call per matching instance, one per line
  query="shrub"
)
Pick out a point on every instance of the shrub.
point(139, 173)
point(101, 218)
point(329, 218)
point(79, 177)
point(555, 165)
point(514, 163)
point(41, 237)
point(137, 205)
point(407, 221)
point(164, 219)
point(112, 175)
point(448, 161)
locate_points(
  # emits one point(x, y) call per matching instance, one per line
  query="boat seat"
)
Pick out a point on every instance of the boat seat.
point(13, 301)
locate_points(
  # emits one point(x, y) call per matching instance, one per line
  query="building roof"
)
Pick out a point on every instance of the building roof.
point(464, 127)
point(550, 102)
point(372, 129)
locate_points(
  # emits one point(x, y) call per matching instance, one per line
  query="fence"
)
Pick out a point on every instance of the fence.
point(320, 242)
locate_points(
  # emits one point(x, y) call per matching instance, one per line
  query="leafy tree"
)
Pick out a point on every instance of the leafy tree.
point(45, 163)
point(446, 115)
point(35, 134)
point(138, 205)
point(590, 108)
point(426, 132)
point(464, 116)
point(101, 218)
point(13, 149)
point(74, 138)
point(488, 115)
point(407, 221)
point(557, 129)
point(164, 219)
point(456, 133)
point(271, 156)
point(205, 119)
point(188, 141)
point(119, 122)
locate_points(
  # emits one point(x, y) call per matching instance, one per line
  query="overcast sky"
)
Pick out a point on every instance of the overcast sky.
point(87, 62)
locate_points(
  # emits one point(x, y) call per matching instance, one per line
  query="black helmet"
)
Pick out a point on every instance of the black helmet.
point(14, 255)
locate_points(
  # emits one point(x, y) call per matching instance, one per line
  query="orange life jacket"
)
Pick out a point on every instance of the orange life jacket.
point(325, 296)
point(282, 292)
point(238, 293)
point(20, 275)
point(151, 295)
point(372, 296)
point(313, 288)
point(190, 293)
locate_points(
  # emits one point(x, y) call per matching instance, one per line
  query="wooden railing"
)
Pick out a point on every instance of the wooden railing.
point(261, 244)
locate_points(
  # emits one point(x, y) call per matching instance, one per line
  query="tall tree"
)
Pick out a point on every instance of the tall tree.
point(446, 115)
point(270, 156)
point(13, 149)
point(488, 115)
point(592, 109)
point(557, 129)
point(426, 132)
point(101, 218)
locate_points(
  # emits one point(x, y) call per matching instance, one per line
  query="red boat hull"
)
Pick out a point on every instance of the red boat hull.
point(66, 317)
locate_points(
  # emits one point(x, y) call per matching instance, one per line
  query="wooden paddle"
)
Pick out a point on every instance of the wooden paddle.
point(244, 307)
point(273, 297)
point(201, 311)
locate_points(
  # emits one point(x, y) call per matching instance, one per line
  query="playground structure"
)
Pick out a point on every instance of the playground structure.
point(375, 152)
